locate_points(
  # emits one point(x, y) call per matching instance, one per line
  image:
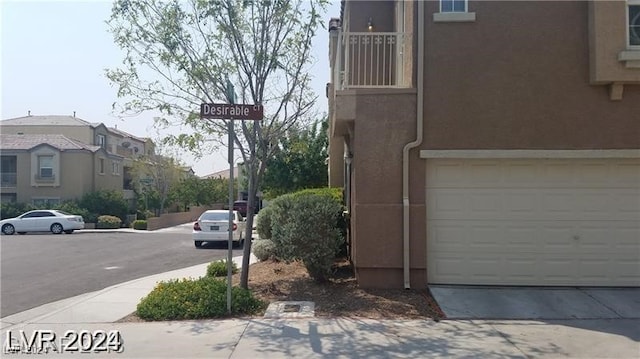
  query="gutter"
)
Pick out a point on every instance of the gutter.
point(411, 145)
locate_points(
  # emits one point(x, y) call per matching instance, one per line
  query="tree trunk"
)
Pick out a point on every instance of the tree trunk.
point(246, 253)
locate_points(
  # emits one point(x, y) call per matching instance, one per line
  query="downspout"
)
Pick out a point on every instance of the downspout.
point(411, 145)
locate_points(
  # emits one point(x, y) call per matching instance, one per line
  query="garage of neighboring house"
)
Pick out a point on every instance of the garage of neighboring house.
point(533, 221)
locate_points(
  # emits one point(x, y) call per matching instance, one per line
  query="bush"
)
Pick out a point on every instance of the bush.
point(105, 202)
point(140, 224)
point(11, 210)
point(219, 268)
point(195, 299)
point(263, 225)
point(108, 222)
point(73, 207)
point(306, 225)
point(146, 214)
point(263, 249)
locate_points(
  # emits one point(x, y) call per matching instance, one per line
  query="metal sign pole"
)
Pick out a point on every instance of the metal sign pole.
point(231, 98)
point(231, 215)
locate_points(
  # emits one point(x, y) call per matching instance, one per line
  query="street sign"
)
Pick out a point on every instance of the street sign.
point(226, 111)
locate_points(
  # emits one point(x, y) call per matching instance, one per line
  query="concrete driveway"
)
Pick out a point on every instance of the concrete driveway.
point(467, 302)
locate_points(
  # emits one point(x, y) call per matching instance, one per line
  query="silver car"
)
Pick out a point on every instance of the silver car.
point(42, 220)
point(213, 226)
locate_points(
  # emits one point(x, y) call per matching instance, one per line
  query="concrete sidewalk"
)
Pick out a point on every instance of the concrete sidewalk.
point(182, 228)
point(314, 337)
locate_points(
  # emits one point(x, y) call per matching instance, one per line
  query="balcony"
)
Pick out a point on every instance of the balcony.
point(373, 60)
point(8, 179)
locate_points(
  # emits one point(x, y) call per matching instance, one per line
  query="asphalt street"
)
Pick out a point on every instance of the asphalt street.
point(42, 268)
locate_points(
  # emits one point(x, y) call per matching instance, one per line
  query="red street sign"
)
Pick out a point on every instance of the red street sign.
point(227, 111)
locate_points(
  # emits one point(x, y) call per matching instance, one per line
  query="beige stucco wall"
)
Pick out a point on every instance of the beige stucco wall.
point(608, 38)
point(74, 172)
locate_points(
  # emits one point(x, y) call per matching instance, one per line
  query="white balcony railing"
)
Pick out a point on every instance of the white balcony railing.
point(372, 60)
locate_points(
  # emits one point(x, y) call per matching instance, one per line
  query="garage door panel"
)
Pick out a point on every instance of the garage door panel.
point(533, 222)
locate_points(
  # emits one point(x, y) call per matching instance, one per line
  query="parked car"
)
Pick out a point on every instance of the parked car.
point(241, 206)
point(213, 226)
point(42, 220)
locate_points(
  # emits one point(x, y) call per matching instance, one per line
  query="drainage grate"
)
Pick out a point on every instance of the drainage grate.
point(290, 310)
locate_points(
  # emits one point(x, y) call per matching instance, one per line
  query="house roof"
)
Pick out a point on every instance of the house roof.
point(28, 142)
point(222, 174)
point(126, 134)
point(48, 120)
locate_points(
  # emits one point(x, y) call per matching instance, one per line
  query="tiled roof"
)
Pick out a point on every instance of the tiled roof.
point(49, 120)
point(126, 134)
point(27, 142)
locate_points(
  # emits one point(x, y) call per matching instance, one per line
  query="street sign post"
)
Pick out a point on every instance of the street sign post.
point(230, 112)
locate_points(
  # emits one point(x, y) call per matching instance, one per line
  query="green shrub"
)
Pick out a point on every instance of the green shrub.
point(219, 268)
point(306, 225)
point(263, 226)
point(73, 207)
point(12, 210)
point(105, 202)
point(263, 249)
point(108, 222)
point(140, 224)
point(201, 298)
point(333, 192)
point(146, 214)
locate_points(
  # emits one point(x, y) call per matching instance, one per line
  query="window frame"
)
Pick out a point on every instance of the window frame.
point(453, 10)
point(41, 167)
point(102, 140)
point(628, 6)
point(115, 168)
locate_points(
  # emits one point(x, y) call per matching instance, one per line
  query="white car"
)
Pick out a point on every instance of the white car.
point(213, 226)
point(42, 220)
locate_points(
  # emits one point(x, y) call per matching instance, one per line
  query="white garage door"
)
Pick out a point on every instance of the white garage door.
point(533, 221)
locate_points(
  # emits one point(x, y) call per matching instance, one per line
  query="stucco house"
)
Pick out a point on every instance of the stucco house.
point(112, 150)
point(488, 142)
point(49, 169)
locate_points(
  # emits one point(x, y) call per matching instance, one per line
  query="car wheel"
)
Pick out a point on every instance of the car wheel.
point(56, 228)
point(69, 231)
point(8, 229)
point(198, 244)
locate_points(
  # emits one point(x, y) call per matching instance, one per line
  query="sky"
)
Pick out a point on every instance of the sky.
point(53, 55)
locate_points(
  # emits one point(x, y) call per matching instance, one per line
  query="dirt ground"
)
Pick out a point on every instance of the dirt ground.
point(339, 297)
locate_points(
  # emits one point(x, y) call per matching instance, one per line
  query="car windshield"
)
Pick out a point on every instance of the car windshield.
point(215, 216)
point(62, 212)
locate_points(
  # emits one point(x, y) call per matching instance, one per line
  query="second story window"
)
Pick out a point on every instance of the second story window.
point(453, 5)
point(45, 166)
point(633, 22)
point(102, 141)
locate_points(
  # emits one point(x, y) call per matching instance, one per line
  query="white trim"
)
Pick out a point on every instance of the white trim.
point(628, 26)
point(454, 17)
point(624, 153)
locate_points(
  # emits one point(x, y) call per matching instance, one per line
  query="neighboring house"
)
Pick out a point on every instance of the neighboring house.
point(488, 143)
point(49, 169)
point(113, 141)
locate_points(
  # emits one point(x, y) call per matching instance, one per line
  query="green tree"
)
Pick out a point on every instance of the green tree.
point(179, 54)
point(154, 176)
point(299, 163)
point(200, 191)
